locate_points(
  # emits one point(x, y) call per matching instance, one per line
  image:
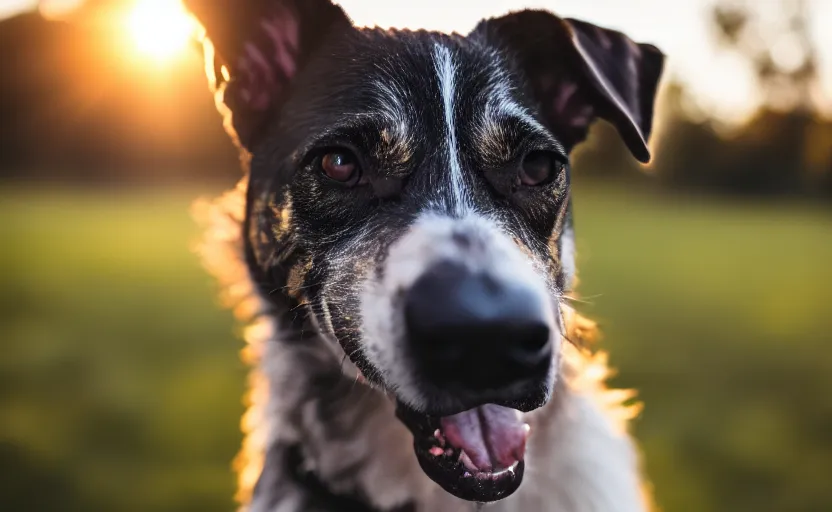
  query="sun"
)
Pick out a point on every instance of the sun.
point(160, 29)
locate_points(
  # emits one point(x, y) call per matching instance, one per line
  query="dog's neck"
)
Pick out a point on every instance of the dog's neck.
point(328, 431)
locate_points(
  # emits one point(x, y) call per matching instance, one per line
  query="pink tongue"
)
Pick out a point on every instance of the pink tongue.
point(493, 437)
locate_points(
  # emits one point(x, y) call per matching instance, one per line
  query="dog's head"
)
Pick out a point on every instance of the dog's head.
point(409, 191)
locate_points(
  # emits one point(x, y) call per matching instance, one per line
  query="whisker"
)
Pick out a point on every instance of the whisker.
point(573, 299)
point(286, 287)
point(564, 333)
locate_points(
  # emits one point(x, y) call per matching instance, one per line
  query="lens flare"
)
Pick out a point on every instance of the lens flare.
point(160, 29)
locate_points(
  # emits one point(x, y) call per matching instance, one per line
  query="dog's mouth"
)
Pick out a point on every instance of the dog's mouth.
point(476, 455)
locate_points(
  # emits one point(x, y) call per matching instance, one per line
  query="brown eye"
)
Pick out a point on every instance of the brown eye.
point(539, 168)
point(340, 166)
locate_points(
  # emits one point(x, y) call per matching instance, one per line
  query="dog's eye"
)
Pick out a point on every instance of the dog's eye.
point(340, 166)
point(539, 168)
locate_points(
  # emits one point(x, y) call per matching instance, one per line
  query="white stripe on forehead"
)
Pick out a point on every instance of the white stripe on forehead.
point(446, 71)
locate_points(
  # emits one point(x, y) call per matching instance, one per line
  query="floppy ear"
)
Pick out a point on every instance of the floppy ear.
point(579, 72)
point(254, 48)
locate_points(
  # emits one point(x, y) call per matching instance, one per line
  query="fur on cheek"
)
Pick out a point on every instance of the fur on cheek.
point(382, 328)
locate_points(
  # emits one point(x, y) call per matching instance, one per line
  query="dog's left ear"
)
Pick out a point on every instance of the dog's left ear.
point(578, 72)
point(253, 51)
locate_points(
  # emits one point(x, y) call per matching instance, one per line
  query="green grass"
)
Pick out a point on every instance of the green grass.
point(120, 383)
point(120, 376)
point(719, 313)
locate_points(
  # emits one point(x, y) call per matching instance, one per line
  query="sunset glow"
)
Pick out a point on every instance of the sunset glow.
point(160, 29)
point(721, 84)
point(58, 8)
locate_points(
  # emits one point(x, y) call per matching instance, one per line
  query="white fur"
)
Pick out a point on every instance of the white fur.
point(446, 71)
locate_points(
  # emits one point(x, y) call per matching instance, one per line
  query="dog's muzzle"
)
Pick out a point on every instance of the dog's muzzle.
point(487, 339)
point(464, 329)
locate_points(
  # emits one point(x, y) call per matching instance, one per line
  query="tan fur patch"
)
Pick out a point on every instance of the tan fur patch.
point(297, 276)
point(283, 213)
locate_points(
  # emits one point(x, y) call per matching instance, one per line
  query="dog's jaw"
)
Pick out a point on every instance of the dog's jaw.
point(578, 457)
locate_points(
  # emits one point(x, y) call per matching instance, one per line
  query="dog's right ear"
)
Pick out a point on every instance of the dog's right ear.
point(254, 48)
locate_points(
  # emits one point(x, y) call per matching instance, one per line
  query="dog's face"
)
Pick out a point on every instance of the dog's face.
point(410, 192)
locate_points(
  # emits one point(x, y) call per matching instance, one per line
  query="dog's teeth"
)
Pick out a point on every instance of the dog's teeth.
point(518, 414)
point(439, 437)
point(526, 428)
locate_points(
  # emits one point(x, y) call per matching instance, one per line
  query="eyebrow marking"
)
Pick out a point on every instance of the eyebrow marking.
point(397, 134)
point(499, 107)
point(446, 72)
point(501, 101)
point(397, 141)
point(392, 106)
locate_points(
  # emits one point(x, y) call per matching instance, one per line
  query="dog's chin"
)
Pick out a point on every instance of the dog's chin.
point(476, 455)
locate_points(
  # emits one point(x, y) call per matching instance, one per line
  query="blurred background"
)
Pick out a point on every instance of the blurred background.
point(710, 271)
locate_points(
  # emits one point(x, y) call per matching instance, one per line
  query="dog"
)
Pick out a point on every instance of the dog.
point(402, 243)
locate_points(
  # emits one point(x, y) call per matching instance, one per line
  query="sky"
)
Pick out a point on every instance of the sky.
point(720, 82)
point(9, 7)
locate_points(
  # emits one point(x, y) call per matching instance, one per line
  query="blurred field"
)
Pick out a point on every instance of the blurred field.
point(720, 313)
point(120, 384)
point(121, 387)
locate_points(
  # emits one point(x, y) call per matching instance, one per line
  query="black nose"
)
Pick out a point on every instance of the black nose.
point(475, 332)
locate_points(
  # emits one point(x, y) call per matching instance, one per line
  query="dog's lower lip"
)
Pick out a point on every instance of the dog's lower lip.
point(455, 477)
point(474, 471)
